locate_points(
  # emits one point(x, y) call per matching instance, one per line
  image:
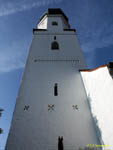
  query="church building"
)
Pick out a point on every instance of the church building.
point(53, 109)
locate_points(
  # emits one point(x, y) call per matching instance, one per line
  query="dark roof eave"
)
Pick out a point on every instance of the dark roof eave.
point(38, 30)
point(70, 30)
point(52, 11)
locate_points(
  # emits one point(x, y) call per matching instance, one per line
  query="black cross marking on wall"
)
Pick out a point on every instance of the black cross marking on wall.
point(75, 107)
point(26, 107)
point(51, 107)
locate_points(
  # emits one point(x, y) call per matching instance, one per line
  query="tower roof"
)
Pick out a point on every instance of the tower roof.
point(54, 11)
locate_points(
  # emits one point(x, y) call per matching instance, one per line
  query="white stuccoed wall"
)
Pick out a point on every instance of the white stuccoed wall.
point(46, 23)
point(38, 128)
point(99, 87)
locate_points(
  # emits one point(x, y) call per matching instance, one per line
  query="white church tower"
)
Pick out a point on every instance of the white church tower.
point(52, 101)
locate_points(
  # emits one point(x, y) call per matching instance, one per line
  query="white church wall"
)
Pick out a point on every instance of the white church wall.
point(61, 24)
point(36, 91)
point(69, 48)
point(38, 126)
point(46, 23)
point(99, 88)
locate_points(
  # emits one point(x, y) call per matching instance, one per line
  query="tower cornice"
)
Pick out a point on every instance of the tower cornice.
point(54, 11)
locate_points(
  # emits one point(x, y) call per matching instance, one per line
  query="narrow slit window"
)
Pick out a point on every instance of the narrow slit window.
point(54, 37)
point(55, 45)
point(56, 89)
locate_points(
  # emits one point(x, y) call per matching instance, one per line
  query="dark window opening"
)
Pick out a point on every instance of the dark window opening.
point(54, 37)
point(56, 89)
point(60, 143)
point(54, 23)
point(54, 45)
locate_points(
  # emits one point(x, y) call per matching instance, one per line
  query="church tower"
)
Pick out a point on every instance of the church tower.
point(52, 101)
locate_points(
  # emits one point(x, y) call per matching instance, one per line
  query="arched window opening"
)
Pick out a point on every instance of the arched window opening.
point(54, 23)
point(56, 89)
point(55, 45)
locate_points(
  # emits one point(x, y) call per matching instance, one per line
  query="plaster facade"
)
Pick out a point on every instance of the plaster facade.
point(99, 88)
point(40, 117)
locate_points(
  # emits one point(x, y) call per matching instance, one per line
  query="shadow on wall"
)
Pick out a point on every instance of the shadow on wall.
point(95, 123)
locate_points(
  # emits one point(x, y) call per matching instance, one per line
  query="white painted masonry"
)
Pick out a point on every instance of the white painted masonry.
point(99, 88)
point(36, 126)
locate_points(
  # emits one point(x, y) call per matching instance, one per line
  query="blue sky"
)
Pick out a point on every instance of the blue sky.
point(93, 20)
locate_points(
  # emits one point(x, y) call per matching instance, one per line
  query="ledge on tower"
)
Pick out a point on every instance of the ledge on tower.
point(54, 11)
point(38, 30)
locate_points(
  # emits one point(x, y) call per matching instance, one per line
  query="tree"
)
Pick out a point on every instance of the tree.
point(1, 130)
point(1, 110)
